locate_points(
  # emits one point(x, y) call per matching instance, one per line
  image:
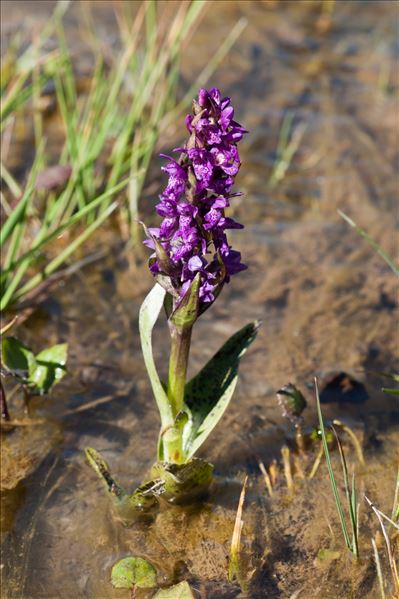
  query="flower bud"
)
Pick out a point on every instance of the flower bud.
point(292, 403)
point(186, 313)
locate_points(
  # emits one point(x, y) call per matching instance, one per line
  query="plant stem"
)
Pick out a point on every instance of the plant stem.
point(180, 349)
point(179, 352)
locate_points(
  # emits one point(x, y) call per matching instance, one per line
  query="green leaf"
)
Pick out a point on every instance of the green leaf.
point(16, 357)
point(57, 354)
point(390, 391)
point(49, 368)
point(148, 316)
point(132, 572)
point(183, 482)
point(40, 372)
point(101, 468)
point(128, 507)
point(178, 591)
point(209, 393)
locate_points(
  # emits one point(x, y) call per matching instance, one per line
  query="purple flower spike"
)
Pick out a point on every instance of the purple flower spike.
point(193, 229)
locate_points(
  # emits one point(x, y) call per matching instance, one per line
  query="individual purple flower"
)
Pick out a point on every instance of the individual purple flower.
point(226, 157)
point(191, 238)
point(232, 262)
point(177, 176)
point(202, 164)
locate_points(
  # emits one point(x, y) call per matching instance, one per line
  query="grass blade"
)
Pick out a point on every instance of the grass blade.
point(15, 217)
point(350, 493)
point(331, 472)
point(376, 246)
point(61, 258)
point(78, 216)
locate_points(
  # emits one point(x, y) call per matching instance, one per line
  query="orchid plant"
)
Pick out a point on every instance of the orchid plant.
point(191, 262)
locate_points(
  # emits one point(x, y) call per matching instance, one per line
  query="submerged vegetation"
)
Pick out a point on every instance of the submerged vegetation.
point(299, 502)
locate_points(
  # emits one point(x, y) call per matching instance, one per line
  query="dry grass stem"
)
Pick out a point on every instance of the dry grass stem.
point(392, 562)
point(234, 566)
point(353, 438)
point(266, 477)
point(285, 452)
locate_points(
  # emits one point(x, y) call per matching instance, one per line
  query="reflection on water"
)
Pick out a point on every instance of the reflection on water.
point(327, 302)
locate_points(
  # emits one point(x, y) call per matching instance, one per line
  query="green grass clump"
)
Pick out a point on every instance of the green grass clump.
point(350, 488)
point(110, 131)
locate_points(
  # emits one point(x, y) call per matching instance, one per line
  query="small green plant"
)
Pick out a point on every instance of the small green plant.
point(191, 262)
point(138, 573)
point(37, 374)
point(350, 488)
point(131, 572)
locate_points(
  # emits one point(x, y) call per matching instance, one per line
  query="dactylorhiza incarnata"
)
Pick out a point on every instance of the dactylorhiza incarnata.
point(192, 236)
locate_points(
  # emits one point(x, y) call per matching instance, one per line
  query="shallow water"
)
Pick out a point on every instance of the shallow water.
point(327, 302)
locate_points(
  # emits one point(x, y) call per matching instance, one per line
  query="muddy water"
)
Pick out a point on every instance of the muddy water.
point(327, 301)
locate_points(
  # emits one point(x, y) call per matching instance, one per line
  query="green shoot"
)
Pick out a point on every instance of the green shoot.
point(350, 492)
